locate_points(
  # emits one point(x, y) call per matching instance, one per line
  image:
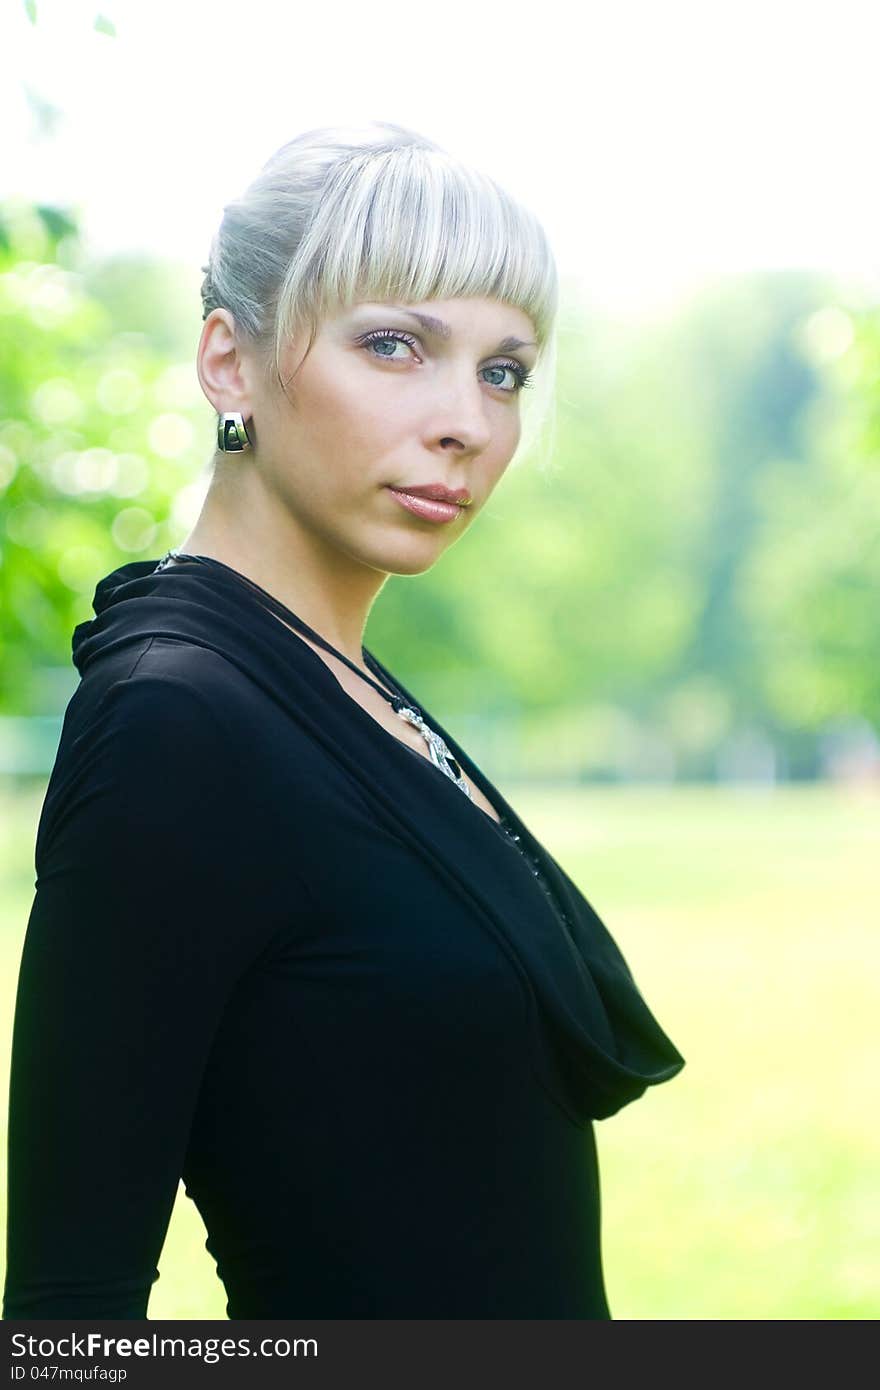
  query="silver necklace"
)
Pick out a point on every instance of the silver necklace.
point(437, 748)
point(438, 751)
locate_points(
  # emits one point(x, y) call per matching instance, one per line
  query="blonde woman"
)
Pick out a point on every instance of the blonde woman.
point(289, 943)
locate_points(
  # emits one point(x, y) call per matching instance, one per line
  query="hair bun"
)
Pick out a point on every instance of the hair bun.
point(209, 297)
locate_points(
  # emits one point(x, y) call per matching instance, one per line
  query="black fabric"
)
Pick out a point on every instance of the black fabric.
point(276, 952)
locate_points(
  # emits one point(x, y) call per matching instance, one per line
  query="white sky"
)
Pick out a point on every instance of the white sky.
point(658, 140)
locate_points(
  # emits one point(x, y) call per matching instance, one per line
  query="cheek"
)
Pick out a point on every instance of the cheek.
point(371, 430)
point(354, 421)
point(503, 448)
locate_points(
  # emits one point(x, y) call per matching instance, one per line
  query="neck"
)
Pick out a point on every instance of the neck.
point(329, 590)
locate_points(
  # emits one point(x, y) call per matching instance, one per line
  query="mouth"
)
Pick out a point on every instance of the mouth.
point(430, 508)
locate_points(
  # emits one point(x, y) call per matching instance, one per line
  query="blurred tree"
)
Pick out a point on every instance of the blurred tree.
point(811, 586)
point(752, 391)
point(99, 426)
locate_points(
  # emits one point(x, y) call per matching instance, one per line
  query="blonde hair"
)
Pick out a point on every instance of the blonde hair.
point(375, 212)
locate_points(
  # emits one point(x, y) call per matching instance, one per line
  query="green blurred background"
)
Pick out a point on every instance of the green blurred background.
point(664, 649)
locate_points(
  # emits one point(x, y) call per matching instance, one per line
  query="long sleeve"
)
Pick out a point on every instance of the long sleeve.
point(143, 922)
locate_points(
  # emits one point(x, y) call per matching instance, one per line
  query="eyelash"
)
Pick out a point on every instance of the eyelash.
point(524, 377)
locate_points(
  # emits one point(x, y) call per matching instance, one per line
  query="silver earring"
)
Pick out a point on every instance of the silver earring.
point(232, 436)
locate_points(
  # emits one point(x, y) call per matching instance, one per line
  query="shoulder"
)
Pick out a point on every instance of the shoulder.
point(150, 771)
point(191, 675)
point(166, 690)
point(179, 719)
point(150, 728)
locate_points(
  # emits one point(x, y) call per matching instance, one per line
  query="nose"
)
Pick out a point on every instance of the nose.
point(462, 416)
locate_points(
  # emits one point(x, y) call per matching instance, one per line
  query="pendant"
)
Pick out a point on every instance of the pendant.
point(440, 754)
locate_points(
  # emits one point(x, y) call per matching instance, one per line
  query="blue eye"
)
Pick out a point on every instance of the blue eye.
point(523, 377)
point(392, 335)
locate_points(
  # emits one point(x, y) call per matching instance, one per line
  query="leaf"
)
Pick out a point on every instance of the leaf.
point(57, 221)
point(105, 26)
point(47, 117)
point(30, 9)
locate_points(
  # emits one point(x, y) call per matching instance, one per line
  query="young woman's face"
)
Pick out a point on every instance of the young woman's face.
point(384, 401)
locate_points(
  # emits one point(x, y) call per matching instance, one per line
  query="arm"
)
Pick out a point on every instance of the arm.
point(141, 925)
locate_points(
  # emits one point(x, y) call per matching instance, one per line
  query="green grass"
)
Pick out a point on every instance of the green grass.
point(746, 1187)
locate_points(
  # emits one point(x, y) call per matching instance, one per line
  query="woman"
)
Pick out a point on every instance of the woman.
point(288, 941)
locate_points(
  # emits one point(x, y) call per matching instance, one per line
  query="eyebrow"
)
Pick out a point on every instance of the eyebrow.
point(441, 329)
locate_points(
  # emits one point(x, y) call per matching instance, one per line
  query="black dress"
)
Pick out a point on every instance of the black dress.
point(276, 952)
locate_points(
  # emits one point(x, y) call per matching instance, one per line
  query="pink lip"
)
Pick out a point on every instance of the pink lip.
point(439, 491)
point(427, 507)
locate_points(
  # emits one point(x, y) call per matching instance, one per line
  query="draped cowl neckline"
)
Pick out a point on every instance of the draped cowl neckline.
point(598, 1045)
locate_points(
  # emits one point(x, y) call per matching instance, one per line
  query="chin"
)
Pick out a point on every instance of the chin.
point(414, 568)
point(409, 556)
point(409, 562)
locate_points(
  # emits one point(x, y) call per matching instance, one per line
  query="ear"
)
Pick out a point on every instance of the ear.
point(224, 370)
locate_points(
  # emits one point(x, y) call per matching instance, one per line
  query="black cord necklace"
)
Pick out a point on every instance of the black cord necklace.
point(440, 754)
